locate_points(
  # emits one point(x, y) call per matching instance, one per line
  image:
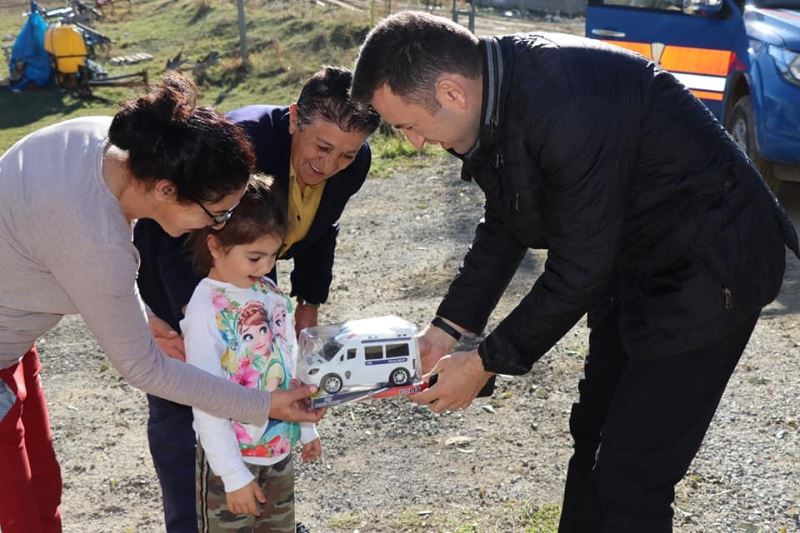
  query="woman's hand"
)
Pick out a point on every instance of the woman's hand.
point(167, 338)
point(292, 405)
point(246, 499)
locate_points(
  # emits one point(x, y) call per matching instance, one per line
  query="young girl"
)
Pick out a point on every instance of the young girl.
point(229, 332)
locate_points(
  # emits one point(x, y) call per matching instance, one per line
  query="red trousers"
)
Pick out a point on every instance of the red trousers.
point(30, 478)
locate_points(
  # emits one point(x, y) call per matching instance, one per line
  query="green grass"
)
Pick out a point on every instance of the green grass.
point(519, 515)
point(288, 41)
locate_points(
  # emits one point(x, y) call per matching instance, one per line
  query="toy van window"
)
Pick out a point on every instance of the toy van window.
point(397, 350)
point(330, 349)
point(351, 353)
point(665, 5)
point(373, 352)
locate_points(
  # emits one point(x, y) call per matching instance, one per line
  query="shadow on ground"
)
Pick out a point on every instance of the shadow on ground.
point(29, 106)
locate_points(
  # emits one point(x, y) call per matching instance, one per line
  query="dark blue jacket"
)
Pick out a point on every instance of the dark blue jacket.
point(166, 280)
point(268, 129)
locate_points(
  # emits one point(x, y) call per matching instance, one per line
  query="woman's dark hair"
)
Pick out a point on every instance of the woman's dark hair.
point(168, 136)
point(408, 51)
point(325, 96)
point(261, 211)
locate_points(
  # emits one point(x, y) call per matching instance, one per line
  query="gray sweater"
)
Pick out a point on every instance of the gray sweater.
point(65, 248)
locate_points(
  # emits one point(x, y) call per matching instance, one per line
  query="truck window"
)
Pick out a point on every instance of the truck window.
point(351, 353)
point(397, 350)
point(373, 352)
point(663, 5)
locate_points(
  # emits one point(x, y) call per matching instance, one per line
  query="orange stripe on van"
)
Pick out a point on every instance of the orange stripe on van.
point(707, 95)
point(642, 48)
point(696, 60)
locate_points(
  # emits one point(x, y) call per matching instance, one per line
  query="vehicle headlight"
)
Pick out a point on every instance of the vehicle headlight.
point(788, 63)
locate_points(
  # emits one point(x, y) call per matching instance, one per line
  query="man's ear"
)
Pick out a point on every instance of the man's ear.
point(166, 191)
point(292, 119)
point(450, 91)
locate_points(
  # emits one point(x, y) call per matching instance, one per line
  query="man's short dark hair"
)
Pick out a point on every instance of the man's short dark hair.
point(326, 96)
point(408, 51)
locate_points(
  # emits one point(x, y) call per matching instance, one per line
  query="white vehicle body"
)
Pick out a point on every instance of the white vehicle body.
point(369, 352)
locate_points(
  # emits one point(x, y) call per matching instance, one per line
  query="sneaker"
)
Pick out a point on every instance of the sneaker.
point(301, 528)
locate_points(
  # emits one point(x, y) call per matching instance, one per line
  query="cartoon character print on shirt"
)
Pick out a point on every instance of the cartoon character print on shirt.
point(250, 359)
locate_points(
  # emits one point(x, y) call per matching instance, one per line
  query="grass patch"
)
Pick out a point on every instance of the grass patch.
point(391, 152)
point(542, 519)
point(516, 515)
point(279, 37)
point(288, 41)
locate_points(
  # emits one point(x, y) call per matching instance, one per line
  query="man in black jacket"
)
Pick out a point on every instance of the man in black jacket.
point(656, 225)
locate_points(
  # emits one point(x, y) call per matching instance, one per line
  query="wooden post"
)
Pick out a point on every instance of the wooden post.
point(242, 32)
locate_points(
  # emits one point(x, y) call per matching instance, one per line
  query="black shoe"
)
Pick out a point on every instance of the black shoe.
point(301, 528)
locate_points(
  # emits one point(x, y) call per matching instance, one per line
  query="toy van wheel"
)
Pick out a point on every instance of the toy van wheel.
point(399, 376)
point(331, 383)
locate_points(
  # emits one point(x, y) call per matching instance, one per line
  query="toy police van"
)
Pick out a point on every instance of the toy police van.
point(372, 352)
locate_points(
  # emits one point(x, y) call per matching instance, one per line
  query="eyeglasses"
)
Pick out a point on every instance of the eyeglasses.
point(217, 221)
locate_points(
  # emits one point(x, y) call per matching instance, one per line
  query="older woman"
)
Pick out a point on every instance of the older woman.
point(69, 195)
point(317, 151)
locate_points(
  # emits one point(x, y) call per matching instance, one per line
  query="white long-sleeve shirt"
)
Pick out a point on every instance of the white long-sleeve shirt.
point(66, 248)
point(246, 336)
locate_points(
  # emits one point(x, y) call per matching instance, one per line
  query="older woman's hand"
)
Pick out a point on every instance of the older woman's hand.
point(167, 338)
point(305, 316)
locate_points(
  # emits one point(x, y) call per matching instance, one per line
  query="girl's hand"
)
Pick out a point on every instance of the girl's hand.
point(246, 499)
point(311, 450)
point(167, 338)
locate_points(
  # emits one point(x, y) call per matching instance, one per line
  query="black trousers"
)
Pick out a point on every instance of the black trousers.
point(637, 426)
point(172, 447)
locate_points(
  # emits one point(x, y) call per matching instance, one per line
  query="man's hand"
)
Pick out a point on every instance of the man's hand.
point(311, 450)
point(461, 377)
point(433, 345)
point(167, 338)
point(243, 501)
point(292, 405)
point(305, 316)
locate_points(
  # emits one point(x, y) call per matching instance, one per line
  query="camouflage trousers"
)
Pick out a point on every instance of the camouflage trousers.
point(277, 514)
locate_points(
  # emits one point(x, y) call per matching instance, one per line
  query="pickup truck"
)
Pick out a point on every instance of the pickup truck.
point(740, 57)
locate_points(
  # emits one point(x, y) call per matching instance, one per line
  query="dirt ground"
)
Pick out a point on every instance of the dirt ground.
point(390, 465)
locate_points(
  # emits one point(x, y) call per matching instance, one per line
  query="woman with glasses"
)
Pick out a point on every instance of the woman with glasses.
point(317, 151)
point(69, 195)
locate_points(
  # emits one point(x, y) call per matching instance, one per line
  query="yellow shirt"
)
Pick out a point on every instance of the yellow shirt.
point(302, 209)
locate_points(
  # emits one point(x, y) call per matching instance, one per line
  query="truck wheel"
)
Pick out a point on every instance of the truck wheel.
point(332, 383)
point(399, 376)
point(741, 126)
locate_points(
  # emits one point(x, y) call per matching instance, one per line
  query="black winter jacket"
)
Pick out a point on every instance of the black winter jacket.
point(638, 194)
